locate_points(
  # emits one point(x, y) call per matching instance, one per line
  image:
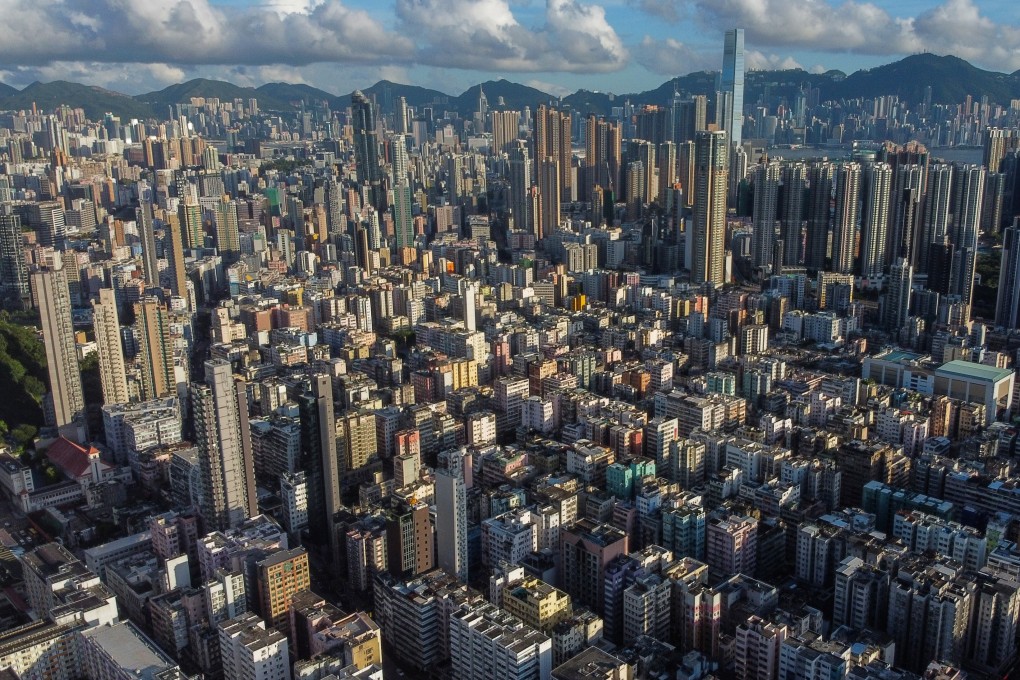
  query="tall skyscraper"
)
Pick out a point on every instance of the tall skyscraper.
point(366, 148)
point(897, 297)
point(549, 194)
point(711, 161)
point(320, 458)
point(228, 239)
point(505, 128)
point(520, 184)
point(106, 323)
point(766, 204)
point(905, 212)
point(226, 468)
point(66, 404)
point(13, 272)
point(147, 235)
point(1007, 307)
point(174, 247)
point(844, 224)
point(552, 140)
point(155, 349)
point(603, 154)
point(400, 116)
point(969, 190)
point(935, 224)
point(403, 219)
point(190, 215)
point(875, 218)
point(818, 216)
point(791, 213)
point(451, 522)
point(733, 84)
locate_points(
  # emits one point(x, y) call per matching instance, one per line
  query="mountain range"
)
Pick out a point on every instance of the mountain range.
point(950, 78)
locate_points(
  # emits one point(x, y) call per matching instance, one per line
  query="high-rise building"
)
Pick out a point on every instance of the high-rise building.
point(147, 235)
point(733, 83)
point(13, 272)
point(359, 446)
point(766, 204)
point(875, 219)
point(505, 128)
point(1007, 307)
point(403, 218)
point(732, 545)
point(520, 184)
point(366, 148)
point(409, 539)
point(228, 239)
point(106, 323)
point(905, 212)
point(896, 307)
point(969, 194)
point(250, 652)
point(549, 195)
point(280, 577)
point(757, 649)
point(819, 215)
point(585, 550)
point(791, 213)
point(174, 248)
point(190, 215)
point(712, 154)
point(66, 403)
point(487, 643)
point(603, 154)
point(935, 223)
point(844, 225)
point(552, 131)
point(220, 409)
point(451, 522)
point(155, 349)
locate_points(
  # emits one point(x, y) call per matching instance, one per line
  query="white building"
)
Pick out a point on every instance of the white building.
point(250, 652)
point(486, 643)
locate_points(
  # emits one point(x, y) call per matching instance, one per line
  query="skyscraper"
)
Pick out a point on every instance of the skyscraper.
point(147, 235)
point(549, 194)
point(552, 139)
point(174, 247)
point(969, 190)
point(766, 203)
point(226, 468)
point(791, 211)
point(711, 161)
point(66, 404)
point(155, 349)
point(818, 216)
point(733, 84)
point(403, 220)
point(366, 148)
point(520, 184)
point(875, 220)
point(451, 522)
point(228, 239)
point(190, 215)
point(1007, 307)
point(844, 225)
point(13, 273)
point(935, 224)
point(106, 323)
point(897, 297)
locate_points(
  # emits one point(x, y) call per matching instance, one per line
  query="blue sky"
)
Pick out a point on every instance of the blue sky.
point(557, 45)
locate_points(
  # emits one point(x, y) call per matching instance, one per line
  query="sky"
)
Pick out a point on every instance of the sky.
point(618, 46)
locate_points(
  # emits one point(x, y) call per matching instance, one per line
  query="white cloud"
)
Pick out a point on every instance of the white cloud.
point(953, 27)
point(486, 35)
point(759, 61)
point(673, 58)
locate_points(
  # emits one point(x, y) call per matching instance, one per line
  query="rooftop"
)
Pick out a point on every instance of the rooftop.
point(973, 371)
point(130, 649)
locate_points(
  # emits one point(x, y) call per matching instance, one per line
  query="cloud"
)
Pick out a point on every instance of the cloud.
point(673, 58)
point(759, 61)
point(194, 32)
point(486, 35)
point(954, 27)
point(667, 10)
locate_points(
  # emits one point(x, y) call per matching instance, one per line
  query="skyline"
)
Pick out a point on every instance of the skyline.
point(557, 46)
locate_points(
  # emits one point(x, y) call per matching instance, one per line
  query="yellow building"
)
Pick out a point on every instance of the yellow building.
point(280, 577)
point(536, 603)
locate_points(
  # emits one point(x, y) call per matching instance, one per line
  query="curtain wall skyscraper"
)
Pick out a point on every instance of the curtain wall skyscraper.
point(733, 84)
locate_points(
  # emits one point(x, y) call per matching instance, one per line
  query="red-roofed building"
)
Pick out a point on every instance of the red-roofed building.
point(81, 465)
